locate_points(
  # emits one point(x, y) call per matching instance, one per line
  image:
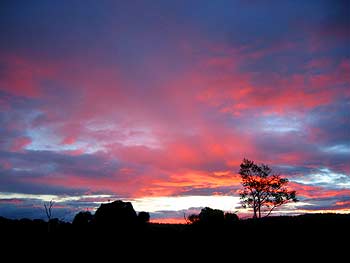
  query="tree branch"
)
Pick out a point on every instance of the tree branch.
point(270, 210)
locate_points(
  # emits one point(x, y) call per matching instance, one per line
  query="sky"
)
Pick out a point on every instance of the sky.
point(158, 102)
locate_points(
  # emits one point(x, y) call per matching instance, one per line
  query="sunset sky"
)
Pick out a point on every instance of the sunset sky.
point(158, 102)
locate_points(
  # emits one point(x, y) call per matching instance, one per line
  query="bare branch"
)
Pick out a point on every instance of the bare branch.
point(187, 222)
point(48, 209)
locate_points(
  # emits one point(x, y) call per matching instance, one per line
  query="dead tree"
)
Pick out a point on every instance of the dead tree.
point(48, 211)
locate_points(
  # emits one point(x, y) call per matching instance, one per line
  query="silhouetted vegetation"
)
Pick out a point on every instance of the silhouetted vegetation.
point(116, 227)
point(82, 220)
point(231, 218)
point(209, 217)
point(143, 217)
point(193, 218)
point(117, 213)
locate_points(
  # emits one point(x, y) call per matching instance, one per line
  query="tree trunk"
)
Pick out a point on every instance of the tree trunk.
point(259, 205)
point(254, 208)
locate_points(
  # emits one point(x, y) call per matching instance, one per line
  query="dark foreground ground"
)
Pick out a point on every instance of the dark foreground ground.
point(318, 236)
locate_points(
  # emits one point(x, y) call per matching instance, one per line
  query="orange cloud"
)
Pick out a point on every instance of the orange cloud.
point(168, 220)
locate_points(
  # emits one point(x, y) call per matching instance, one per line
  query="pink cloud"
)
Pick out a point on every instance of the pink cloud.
point(69, 140)
point(74, 152)
point(343, 204)
point(237, 92)
point(24, 77)
point(18, 144)
point(311, 191)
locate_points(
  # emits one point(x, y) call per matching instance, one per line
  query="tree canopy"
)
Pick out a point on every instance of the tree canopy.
point(263, 191)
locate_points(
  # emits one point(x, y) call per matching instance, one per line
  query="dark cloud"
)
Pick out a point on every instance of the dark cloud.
point(12, 182)
point(330, 203)
point(332, 123)
point(41, 163)
point(26, 168)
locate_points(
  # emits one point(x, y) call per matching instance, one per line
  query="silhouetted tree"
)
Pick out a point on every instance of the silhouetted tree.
point(262, 189)
point(48, 210)
point(143, 217)
point(116, 214)
point(211, 216)
point(82, 219)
